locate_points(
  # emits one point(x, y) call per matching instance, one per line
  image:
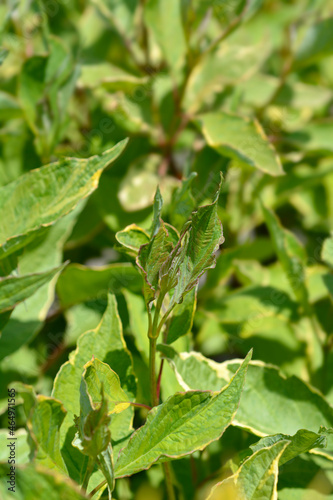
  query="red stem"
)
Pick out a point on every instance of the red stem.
point(158, 387)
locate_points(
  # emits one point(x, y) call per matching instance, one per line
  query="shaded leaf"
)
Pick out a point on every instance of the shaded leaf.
point(43, 253)
point(138, 322)
point(182, 202)
point(327, 251)
point(34, 482)
point(182, 318)
point(291, 255)
point(44, 422)
point(317, 43)
point(164, 19)
point(15, 289)
point(80, 283)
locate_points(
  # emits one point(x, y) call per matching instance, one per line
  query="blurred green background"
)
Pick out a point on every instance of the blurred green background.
point(198, 86)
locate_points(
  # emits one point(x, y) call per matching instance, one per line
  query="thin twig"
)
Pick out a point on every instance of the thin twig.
point(95, 490)
point(168, 481)
point(158, 388)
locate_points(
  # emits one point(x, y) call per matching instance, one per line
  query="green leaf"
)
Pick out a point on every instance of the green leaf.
point(21, 446)
point(182, 202)
point(302, 494)
point(58, 188)
point(132, 238)
point(105, 464)
point(138, 320)
point(328, 281)
point(44, 423)
point(120, 14)
point(150, 259)
point(15, 289)
point(268, 404)
point(256, 478)
point(105, 342)
point(157, 210)
point(80, 318)
point(250, 303)
point(301, 442)
point(195, 254)
point(164, 19)
point(327, 251)
point(97, 375)
point(182, 318)
point(9, 107)
point(291, 255)
point(46, 84)
point(94, 437)
point(317, 43)
point(240, 138)
point(110, 77)
point(183, 424)
point(230, 64)
point(80, 283)
point(93, 434)
point(34, 482)
point(43, 253)
point(313, 136)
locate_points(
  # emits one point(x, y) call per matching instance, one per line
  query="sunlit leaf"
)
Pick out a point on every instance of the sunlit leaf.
point(34, 482)
point(240, 138)
point(106, 343)
point(268, 405)
point(171, 429)
point(58, 188)
point(301, 442)
point(256, 478)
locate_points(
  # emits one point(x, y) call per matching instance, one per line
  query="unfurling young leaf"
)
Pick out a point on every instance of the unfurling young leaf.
point(174, 266)
point(150, 259)
point(93, 437)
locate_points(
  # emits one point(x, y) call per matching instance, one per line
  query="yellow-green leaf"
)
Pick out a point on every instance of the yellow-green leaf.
point(256, 478)
point(186, 422)
point(57, 187)
point(240, 138)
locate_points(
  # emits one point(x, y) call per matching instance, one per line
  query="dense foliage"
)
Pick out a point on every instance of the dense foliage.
point(150, 352)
